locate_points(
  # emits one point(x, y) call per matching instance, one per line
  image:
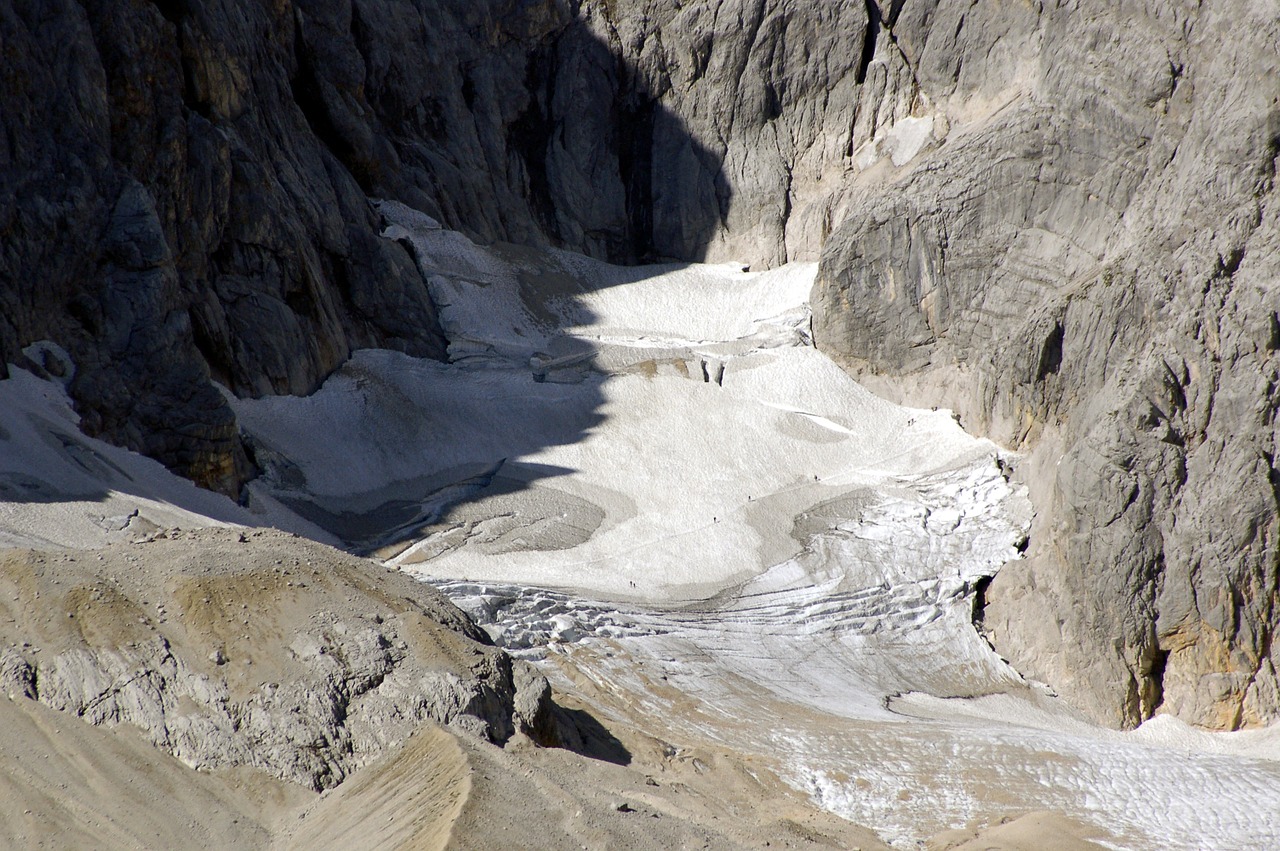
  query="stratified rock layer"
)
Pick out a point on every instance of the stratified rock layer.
point(1087, 268)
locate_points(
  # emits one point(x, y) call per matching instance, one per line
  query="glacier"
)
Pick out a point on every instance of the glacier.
point(650, 483)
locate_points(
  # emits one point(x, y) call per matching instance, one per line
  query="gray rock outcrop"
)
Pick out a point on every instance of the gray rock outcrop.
point(230, 648)
point(1086, 268)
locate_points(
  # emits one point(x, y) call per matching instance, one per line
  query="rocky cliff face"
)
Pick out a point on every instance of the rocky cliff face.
point(1053, 216)
point(169, 217)
point(1087, 269)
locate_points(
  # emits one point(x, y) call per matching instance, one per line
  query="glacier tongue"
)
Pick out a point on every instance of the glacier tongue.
point(657, 433)
point(648, 479)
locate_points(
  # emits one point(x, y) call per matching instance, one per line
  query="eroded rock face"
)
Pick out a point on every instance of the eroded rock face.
point(1087, 268)
point(256, 648)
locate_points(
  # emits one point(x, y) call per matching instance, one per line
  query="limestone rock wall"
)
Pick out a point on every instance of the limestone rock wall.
point(1086, 268)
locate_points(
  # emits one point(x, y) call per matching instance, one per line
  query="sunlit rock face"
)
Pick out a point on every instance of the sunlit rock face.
point(1086, 269)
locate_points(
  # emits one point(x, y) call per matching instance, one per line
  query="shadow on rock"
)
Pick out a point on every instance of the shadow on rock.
point(583, 734)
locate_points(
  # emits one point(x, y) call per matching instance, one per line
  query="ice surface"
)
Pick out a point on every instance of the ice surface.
point(648, 479)
point(682, 405)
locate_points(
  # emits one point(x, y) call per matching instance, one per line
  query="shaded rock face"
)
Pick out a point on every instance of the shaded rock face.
point(168, 217)
point(1087, 268)
point(183, 185)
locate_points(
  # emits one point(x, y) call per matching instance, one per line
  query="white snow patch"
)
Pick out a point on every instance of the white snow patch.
point(908, 138)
